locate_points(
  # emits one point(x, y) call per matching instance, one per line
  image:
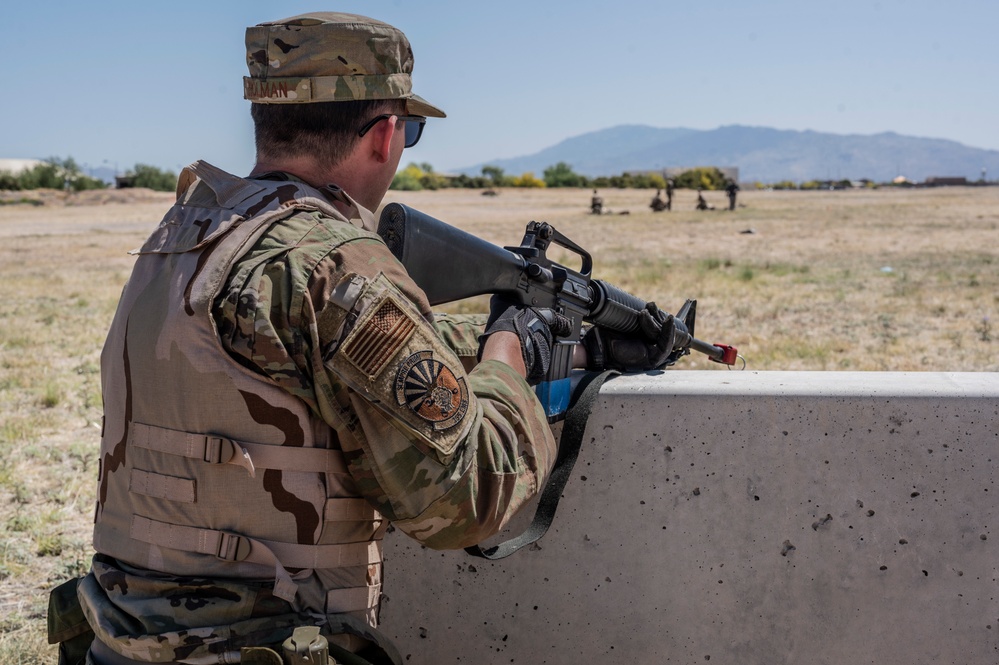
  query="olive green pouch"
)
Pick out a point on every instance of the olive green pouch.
point(68, 626)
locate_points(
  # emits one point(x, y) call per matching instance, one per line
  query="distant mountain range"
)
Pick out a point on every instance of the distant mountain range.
point(761, 154)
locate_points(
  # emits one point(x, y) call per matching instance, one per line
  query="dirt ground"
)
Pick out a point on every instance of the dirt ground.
point(888, 279)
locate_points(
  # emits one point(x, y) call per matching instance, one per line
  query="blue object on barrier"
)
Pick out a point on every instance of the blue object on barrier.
point(555, 397)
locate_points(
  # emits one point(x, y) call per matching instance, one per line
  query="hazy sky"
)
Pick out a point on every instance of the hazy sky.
point(160, 83)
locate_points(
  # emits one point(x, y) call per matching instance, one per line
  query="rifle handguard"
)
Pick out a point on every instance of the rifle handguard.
point(614, 308)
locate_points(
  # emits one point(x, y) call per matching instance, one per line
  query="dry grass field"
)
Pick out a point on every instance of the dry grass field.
point(839, 280)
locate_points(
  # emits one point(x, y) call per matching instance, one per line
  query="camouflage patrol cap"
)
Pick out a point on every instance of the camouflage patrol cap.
point(330, 57)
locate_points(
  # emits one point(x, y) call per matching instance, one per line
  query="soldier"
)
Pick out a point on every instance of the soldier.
point(669, 193)
point(596, 203)
point(702, 203)
point(277, 390)
point(658, 205)
point(731, 189)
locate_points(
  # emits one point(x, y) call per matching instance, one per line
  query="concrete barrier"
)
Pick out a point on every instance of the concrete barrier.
point(742, 518)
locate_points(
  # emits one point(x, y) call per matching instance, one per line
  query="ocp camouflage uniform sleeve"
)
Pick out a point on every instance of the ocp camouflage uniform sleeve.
point(449, 457)
point(461, 332)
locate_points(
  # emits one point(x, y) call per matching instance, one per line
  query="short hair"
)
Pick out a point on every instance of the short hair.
point(327, 131)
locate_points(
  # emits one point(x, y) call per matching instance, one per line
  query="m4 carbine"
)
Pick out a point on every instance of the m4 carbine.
point(450, 264)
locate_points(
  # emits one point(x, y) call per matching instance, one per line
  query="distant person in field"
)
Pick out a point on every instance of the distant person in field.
point(596, 203)
point(731, 189)
point(658, 204)
point(669, 193)
point(702, 203)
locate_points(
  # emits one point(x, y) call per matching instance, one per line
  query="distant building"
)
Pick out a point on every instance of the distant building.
point(124, 181)
point(945, 181)
point(16, 166)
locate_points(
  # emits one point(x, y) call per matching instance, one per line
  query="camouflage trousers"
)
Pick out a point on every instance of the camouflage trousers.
point(161, 619)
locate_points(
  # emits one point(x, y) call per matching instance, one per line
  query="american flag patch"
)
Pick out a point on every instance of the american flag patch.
point(381, 336)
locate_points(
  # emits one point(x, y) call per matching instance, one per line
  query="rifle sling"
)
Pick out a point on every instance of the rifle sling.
point(568, 451)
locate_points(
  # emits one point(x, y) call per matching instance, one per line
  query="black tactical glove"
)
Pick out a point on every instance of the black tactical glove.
point(648, 347)
point(536, 327)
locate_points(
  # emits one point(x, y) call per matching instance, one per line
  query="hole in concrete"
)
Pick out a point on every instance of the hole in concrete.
point(822, 522)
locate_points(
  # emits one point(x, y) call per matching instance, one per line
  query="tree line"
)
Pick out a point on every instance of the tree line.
point(422, 176)
point(58, 173)
point(66, 174)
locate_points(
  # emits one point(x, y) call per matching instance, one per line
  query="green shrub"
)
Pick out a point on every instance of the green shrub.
point(562, 175)
point(784, 184)
point(527, 180)
point(84, 182)
point(144, 175)
point(645, 180)
point(496, 176)
point(431, 180)
point(703, 177)
point(408, 179)
point(473, 182)
point(9, 181)
point(54, 173)
point(43, 176)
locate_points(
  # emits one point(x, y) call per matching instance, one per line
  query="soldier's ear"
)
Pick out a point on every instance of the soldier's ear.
point(380, 139)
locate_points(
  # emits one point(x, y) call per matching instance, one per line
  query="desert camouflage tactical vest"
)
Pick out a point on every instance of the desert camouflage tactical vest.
point(207, 469)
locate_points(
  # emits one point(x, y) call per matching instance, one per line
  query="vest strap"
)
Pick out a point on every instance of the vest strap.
point(223, 450)
point(160, 486)
point(353, 599)
point(351, 519)
point(350, 509)
point(234, 547)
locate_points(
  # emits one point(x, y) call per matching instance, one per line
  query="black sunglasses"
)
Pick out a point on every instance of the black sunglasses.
point(414, 126)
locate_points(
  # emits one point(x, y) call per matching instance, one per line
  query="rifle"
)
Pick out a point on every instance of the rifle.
point(450, 264)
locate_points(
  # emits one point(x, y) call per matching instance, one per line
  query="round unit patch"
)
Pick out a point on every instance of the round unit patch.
point(431, 390)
